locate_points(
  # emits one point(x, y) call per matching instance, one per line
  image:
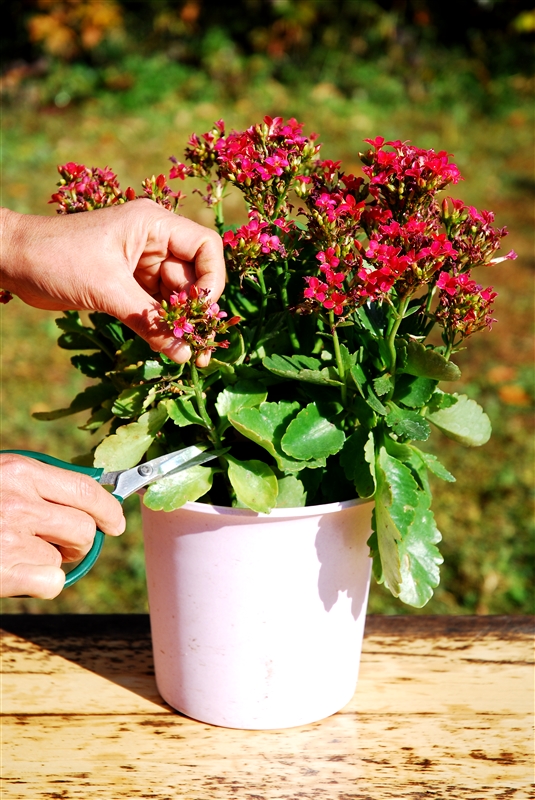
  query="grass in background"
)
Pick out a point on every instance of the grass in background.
point(487, 516)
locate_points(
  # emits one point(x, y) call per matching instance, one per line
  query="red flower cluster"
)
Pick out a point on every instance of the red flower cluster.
point(195, 320)
point(472, 234)
point(84, 189)
point(262, 160)
point(5, 296)
point(249, 242)
point(404, 174)
point(464, 306)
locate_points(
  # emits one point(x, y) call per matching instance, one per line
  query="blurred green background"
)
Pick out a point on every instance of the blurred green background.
point(124, 83)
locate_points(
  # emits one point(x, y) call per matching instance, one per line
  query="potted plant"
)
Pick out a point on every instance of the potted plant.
point(347, 297)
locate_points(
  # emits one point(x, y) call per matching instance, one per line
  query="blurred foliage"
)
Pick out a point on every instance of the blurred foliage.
point(129, 87)
point(381, 50)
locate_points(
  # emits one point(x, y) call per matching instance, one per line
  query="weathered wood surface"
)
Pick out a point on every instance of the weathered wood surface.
point(443, 709)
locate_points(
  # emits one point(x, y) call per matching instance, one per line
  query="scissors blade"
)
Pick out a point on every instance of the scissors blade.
point(128, 481)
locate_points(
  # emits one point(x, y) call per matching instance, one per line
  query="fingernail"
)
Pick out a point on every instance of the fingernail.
point(179, 352)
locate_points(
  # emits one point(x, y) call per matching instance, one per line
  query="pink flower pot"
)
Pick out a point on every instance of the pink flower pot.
point(257, 620)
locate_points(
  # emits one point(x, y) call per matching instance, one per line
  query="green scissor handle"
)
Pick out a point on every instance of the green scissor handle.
point(94, 472)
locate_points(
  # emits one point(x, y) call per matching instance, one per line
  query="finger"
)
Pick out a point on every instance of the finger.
point(204, 248)
point(70, 491)
point(141, 312)
point(203, 359)
point(43, 581)
point(71, 531)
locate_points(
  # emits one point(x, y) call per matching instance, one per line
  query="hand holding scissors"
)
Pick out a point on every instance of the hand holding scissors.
point(124, 483)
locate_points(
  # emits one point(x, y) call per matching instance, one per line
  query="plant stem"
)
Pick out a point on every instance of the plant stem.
point(219, 217)
point(339, 360)
point(201, 405)
point(261, 313)
point(283, 273)
point(393, 332)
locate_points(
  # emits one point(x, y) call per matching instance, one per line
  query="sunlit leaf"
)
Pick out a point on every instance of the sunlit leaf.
point(255, 484)
point(173, 491)
point(127, 446)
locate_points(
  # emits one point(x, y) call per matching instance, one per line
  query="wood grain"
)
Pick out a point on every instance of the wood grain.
point(443, 709)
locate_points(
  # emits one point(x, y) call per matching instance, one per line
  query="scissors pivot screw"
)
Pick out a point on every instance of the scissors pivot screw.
point(144, 469)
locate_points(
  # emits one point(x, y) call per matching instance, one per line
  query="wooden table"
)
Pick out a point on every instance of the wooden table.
point(443, 709)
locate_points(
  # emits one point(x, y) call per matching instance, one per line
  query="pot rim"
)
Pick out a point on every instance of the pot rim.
point(296, 511)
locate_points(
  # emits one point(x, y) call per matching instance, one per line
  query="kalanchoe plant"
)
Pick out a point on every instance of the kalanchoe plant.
point(323, 378)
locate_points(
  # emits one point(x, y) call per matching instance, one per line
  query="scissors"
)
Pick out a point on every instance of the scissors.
point(125, 482)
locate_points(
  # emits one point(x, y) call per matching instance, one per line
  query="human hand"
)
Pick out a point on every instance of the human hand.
point(122, 260)
point(48, 515)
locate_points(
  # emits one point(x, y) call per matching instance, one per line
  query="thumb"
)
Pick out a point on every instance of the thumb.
point(44, 582)
point(136, 308)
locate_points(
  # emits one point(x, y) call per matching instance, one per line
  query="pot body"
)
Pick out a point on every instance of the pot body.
point(257, 620)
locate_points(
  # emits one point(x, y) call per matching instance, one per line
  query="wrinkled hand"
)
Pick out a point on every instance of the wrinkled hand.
point(121, 260)
point(47, 515)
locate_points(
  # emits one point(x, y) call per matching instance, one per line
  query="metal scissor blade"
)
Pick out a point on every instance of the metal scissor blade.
point(131, 480)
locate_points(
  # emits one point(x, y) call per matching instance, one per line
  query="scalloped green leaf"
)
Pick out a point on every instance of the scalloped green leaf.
point(357, 458)
point(408, 424)
point(266, 425)
point(173, 491)
point(127, 446)
point(414, 392)
point(292, 493)
point(428, 363)
point(396, 500)
point(242, 394)
point(465, 422)
point(131, 402)
point(420, 558)
point(255, 484)
point(301, 368)
point(311, 436)
point(91, 397)
point(433, 465)
point(182, 412)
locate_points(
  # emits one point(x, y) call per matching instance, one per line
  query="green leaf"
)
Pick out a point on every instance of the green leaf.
point(408, 424)
point(301, 368)
point(465, 422)
point(357, 458)
point(434, 465)
point(291, 494)
point(91, 397)
point(96, 365)
point(76, 334)
point(130, 402)
point(242, 394)
point(383, 385)
point(235, 352)
point(255, 484)
point(126, 447)
point(173, 491)
point(135, 351)
point(311, 436)
point(396, 500)
point(151, 370)
point(96, 420)
point(266, 425)
point(182, 412)
point(419, 556)
point(429, 363)
point(414, 392)
point(109, 327)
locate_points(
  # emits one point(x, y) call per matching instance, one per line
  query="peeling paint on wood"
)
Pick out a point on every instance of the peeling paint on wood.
point(443, 711)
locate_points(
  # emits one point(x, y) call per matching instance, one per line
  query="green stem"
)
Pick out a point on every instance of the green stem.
point(201, 405)
point(339, 360)
point(391, 341)
point(283, 273)
point(219, 217)
point(261, 313)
